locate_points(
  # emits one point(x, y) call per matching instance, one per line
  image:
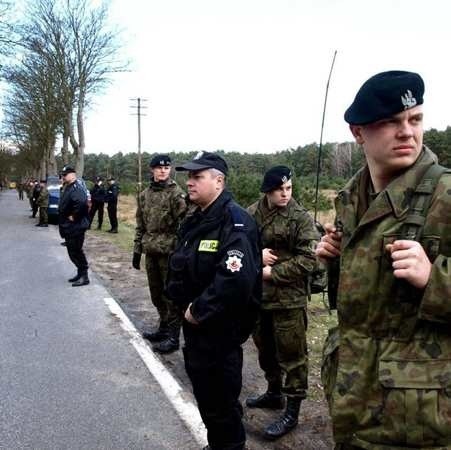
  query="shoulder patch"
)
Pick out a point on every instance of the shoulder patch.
point(234, 263)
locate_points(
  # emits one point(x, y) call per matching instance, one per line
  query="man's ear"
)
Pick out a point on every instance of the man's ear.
point(356, 131)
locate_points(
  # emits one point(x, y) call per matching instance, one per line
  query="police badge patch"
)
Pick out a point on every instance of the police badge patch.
point(233, 263)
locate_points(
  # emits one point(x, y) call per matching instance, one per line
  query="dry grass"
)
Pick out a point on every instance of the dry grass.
point(127, 209)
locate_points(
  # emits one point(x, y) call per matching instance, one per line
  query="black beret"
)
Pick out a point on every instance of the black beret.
point(384, 95)
point(67, 169)
point(205, 160)
point(160, 160)
point(275, 177)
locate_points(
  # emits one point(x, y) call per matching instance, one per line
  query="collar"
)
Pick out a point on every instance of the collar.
point(394, 199)
point(269, 212)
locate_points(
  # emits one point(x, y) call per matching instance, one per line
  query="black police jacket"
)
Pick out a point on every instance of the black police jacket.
point(98, 193)
point(73, 203)
point(112, 193)
point(216, 266)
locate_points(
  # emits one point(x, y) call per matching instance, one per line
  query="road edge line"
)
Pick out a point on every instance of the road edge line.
point(185, 409)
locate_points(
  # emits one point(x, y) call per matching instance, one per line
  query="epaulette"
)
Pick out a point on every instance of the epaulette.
point(237, 217)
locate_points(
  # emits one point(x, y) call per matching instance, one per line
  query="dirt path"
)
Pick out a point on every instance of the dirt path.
point(129, 288)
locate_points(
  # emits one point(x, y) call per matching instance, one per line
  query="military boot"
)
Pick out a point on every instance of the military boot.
point(75, 278)
point(285, 423)
point(82, 281)
point(171, 343)
point(157, 336)
point(271, 399)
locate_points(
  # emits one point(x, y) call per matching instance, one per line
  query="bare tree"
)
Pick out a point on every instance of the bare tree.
point(75, 51)
point(91, 58)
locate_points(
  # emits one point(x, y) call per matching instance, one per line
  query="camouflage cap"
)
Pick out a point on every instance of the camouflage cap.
point(385, 94)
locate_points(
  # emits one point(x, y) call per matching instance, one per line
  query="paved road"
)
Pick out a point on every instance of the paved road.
point(69, 376)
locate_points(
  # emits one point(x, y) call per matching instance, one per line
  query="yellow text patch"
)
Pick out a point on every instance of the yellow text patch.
point(208, 246)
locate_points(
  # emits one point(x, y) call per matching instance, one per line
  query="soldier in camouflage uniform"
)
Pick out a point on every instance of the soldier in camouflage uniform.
point(161, 207)
point(387, 373)
point(289, 237)
point(43, 203)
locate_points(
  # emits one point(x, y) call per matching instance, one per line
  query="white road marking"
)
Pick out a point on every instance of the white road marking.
point(187, 411)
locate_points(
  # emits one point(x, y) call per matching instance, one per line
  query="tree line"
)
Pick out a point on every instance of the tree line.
point(339, 162)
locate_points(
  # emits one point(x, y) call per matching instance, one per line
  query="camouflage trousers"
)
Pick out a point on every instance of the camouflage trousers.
point(43, 216)
point(280, 337)
point(157, 270)
point(346, 447)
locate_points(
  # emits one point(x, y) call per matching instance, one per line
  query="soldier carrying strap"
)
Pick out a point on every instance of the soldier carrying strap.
point(412, 228)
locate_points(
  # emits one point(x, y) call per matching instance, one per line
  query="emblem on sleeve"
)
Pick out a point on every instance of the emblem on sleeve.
point(233, 263)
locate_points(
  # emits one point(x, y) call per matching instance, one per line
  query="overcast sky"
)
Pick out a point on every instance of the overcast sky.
point(250, 75)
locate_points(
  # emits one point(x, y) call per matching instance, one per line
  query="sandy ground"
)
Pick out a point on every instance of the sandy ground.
point(129, 288)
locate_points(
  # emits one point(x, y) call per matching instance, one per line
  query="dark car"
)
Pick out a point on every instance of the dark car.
point(54, 188)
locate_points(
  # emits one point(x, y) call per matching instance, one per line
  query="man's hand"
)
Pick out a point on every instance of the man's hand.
point(410, 262)
point(329, 246)
point(189, 317)
point(136, 262)
point(269, 258)
point(267, 273)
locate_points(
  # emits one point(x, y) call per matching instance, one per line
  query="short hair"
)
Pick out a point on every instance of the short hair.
point(217, 173)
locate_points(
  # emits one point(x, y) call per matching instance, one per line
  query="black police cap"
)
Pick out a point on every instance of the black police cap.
point(67, 169)
point(384, 95)
point(205, 160)
point(160, 160)
point(275, 177)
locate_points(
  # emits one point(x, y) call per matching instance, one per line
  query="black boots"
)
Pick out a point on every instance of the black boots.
point(157, 336)
point(269, 400)
point(82, 281)
point(75, 278)
point(285, 423)
point(171, 343)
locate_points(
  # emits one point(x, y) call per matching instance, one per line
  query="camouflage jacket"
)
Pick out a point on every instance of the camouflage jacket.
point(161, 208)
point(292, 234)
point(393, 382)
point(43, 199)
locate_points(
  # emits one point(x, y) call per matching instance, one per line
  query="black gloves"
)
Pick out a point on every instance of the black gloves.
point(136, 263)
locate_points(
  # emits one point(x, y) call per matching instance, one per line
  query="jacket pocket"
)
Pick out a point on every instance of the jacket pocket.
point(417, 401)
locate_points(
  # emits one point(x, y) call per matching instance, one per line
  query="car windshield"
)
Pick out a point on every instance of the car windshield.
point(53, 183)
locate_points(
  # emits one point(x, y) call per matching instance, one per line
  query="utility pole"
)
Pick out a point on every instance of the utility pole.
point(139, 113)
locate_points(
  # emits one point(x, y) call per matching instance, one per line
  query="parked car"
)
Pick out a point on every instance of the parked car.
point(54, 188)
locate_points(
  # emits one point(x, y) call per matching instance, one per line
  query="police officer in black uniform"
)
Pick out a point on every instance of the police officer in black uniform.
point(98, 194)
point(111, 198)
point(73, 223)
point(215, 277)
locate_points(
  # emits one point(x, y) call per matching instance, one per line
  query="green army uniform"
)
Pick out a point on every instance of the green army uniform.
point(161, 207)
point(43, 203)
point(280, 335)
point(387, 374)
